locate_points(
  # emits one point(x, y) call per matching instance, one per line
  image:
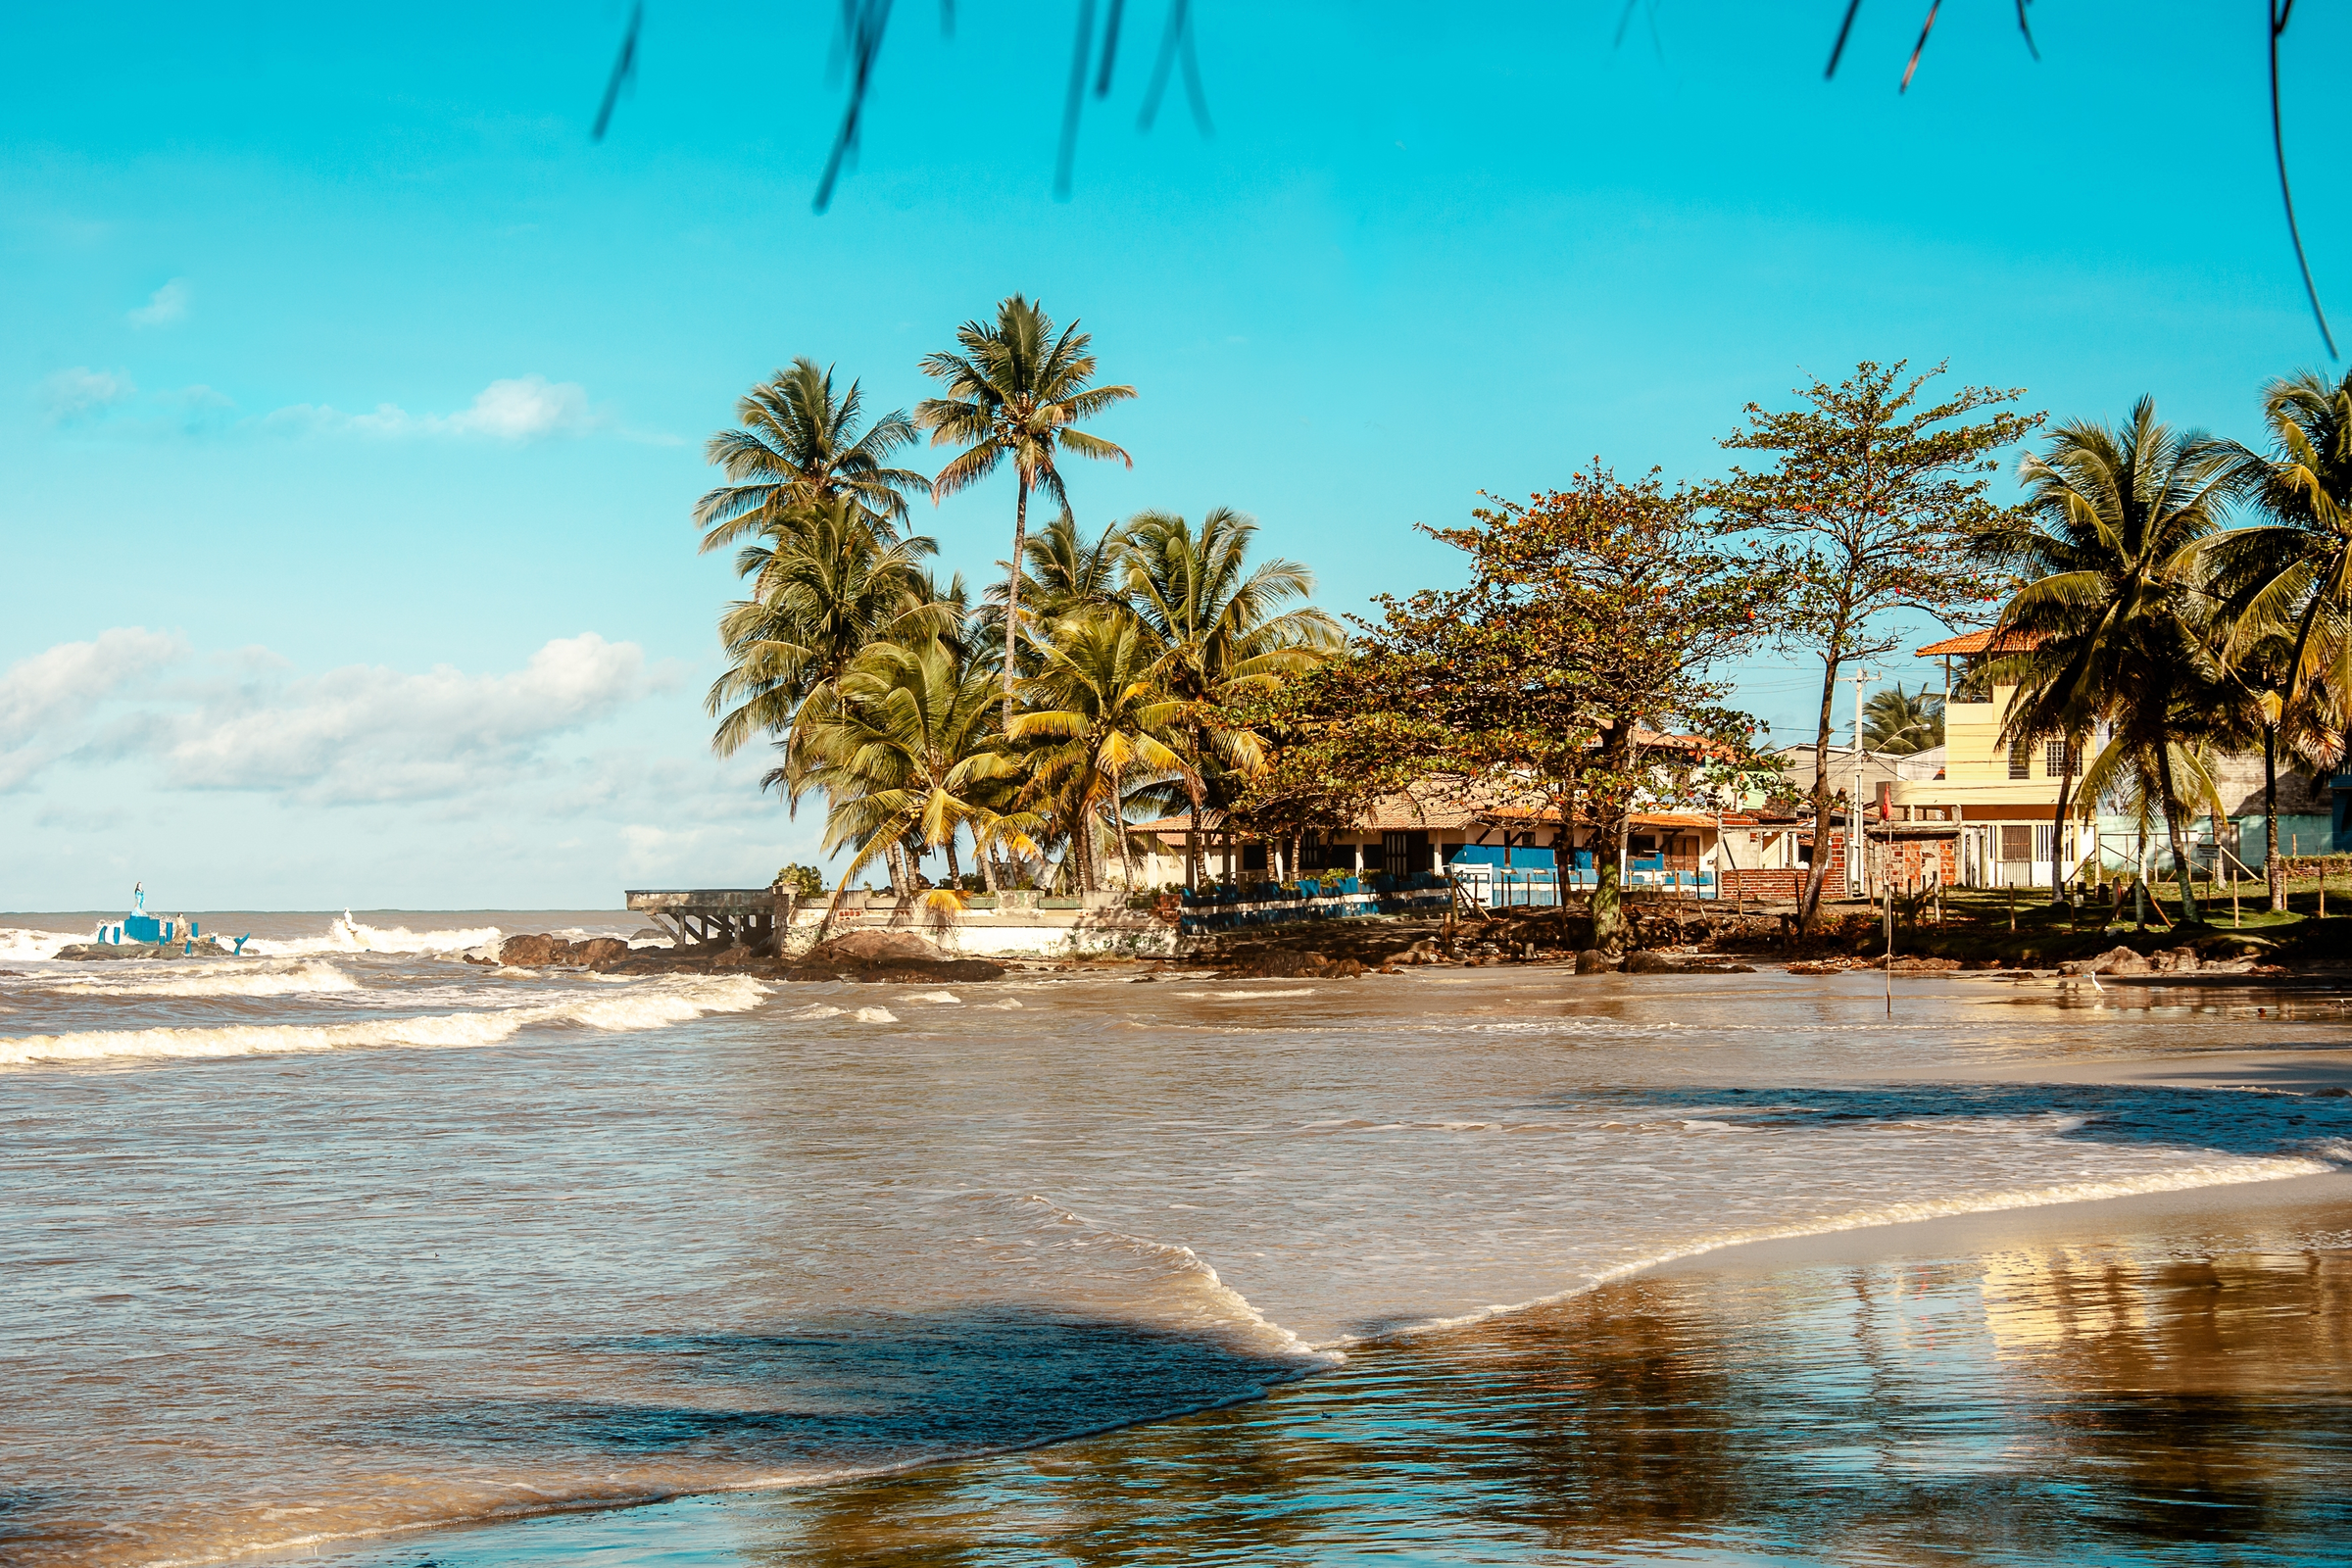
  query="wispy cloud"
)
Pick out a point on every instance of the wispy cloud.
point(355, 735)
point(77, 394)
point(112, 402)
point(46, 700)
point(166, 306)
point(524, 407)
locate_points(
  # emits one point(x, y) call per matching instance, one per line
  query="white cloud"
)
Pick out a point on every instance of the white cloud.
point(361, 733)
point(165, 306)
point(46, 700)
point(527, 407)
point(366, 733)
point(81, 392)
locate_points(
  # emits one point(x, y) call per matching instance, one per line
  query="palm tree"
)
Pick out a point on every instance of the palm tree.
point(1066, 574)
point(1224, 627)
point(2290, 583)
point(795, 443)
point(1016, 392)
point(826, 583)
point(2111, 626)
point(905, 753)
point(1898, 723)
point(1101, 714)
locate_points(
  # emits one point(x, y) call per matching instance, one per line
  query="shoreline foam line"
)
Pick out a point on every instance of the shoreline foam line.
point(2245, 1171)
point(657, 1003)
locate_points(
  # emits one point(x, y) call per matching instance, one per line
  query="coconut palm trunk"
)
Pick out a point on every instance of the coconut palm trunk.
point(2273, 864)
point(2066, 788)
point(1012, 594)
point(2171, 828)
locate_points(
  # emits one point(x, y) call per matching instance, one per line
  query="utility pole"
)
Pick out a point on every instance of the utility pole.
point(1857, 881)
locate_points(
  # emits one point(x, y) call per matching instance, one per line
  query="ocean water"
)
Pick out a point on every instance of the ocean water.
point(353, 1237)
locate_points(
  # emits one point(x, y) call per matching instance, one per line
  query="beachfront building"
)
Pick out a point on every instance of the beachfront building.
point(1502, 847)
point(1989, 816)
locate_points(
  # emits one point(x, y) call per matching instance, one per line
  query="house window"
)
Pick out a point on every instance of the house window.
point(2058, 759)
point(1253, 857)
point(1402, 853)
point(2045, 836)
point(2020, 760)
point(2017, 841)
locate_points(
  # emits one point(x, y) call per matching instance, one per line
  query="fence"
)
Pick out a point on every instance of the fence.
point(1227, 909)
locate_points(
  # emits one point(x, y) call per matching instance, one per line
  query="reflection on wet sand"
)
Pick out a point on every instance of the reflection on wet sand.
point(2075, 1404)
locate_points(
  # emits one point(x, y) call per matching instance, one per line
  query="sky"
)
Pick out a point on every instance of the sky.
point(352, 399)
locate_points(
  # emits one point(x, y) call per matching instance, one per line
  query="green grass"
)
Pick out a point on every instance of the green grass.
point(1993, 924)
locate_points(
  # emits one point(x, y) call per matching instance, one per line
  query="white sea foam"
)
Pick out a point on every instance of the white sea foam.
point(2215, 1173)
point(1193, 1288)
point(945, 999)
point(1238, 996)
point(817, 1011)
point(347, 935)
point(1001, 1004)
point(655, 1005)
point(21, 946)
point(133, 980)
point(874, 1015)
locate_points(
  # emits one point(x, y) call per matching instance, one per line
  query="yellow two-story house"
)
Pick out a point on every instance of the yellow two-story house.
point(2003, 798)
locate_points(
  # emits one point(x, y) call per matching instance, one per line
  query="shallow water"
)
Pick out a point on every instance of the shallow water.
point(355, 1236)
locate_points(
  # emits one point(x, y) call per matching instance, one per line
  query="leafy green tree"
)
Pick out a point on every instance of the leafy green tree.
point(2112, 625)
point(796, 444)
point(1225, 627)
point(1876, 497)
point(1016, 394)
point(1595, 624)
point(1096, 725)
point(1898, 723)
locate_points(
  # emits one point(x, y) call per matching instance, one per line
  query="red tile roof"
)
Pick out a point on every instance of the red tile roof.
point(1977, 642)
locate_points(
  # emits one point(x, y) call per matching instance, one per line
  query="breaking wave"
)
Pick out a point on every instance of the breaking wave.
point(308, 977)
point(347, 935)
point(21, 946)
point(656, 1005)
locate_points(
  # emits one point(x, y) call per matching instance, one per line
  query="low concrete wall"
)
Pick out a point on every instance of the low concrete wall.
point(1013, 925)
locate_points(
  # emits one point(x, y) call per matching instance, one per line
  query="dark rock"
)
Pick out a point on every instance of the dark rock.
point(531, 951)
point(1652, 963)
point(1595, 962)
point(859, 948)
point(904, 972)
point(600, 951)
point(1291, 965)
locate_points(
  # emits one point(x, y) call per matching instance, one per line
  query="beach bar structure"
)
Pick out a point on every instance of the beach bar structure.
point(733, 916)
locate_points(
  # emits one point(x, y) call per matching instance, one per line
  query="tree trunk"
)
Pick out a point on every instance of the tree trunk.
point(954, 873)
point(1012, 595)
point(1126, 849)
point(1082, 844)
point(986, 854)
point(2171, 828)
point(2065, 787)
point(1808, 907)
point(1610, 809)
point(2273, 864)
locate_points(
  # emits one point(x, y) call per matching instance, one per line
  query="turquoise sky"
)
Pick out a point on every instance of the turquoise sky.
point(355, 398)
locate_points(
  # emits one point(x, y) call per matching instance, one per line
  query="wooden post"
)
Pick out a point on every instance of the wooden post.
point(2012, 905)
